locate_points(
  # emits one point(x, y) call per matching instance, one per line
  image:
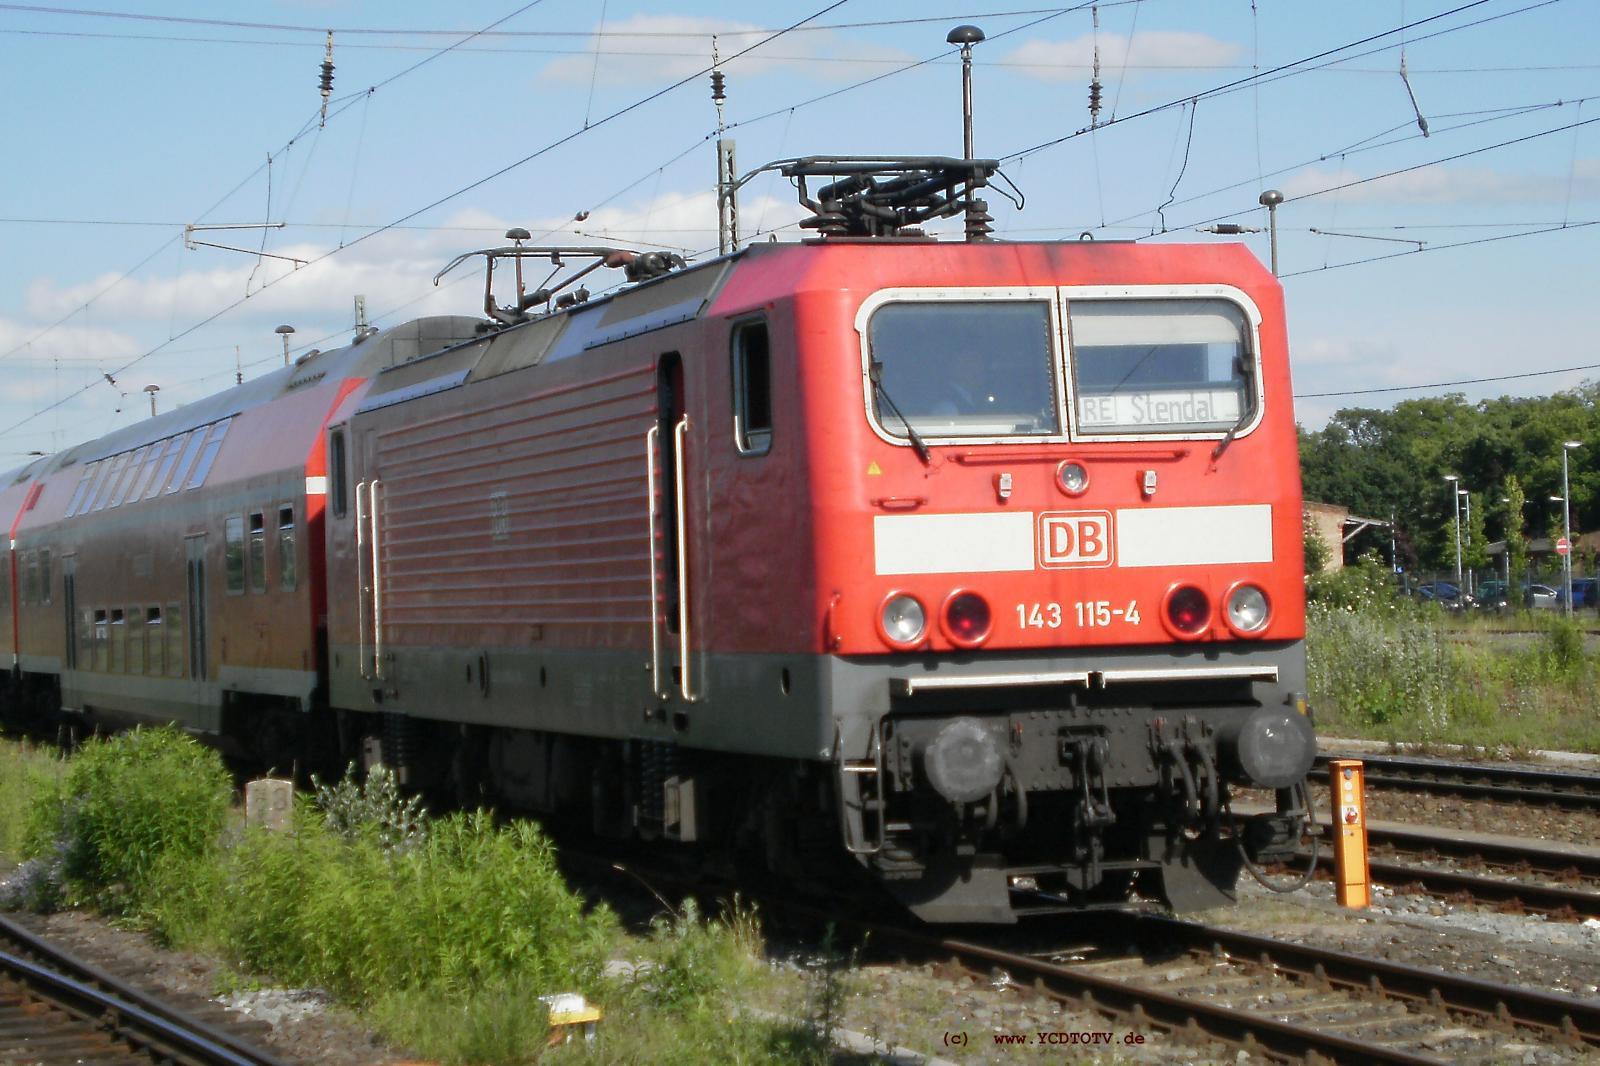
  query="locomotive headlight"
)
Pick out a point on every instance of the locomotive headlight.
point(1072, 477)
point(903, 621)
point(1248, 610)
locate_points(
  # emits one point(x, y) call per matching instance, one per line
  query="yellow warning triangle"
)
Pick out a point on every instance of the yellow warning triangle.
point(872, 469)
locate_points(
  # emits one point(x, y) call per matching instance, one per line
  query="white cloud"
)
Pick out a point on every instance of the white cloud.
point(650, 49)
point(1143, 54)
point(1450, 185)
point(393, 269)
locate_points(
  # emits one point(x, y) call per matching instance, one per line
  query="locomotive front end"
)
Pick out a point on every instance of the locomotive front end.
point(1071, 625)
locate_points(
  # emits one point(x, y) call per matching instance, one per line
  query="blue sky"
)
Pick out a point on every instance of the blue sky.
point(123, 130)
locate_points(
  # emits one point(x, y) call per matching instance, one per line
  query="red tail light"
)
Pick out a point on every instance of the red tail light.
point(1188, 611)
point(966, 619)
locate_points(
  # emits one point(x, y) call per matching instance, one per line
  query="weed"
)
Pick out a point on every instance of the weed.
point(503, 1022)
point(373, 808)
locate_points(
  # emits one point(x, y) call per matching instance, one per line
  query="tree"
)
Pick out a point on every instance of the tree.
point(1474, 539)
point(1317, 553)
point(1516, 539)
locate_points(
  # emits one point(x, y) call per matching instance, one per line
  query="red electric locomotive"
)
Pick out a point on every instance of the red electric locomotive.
point(977, 562)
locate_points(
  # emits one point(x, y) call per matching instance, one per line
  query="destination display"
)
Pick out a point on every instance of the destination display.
point(1158, 408)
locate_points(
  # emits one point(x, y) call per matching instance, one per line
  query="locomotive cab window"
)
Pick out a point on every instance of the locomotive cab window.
point(1153, 367)
point(963, 368)
point(752, 389)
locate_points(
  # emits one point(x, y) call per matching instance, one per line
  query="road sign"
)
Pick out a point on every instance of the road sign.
point(1563, 546)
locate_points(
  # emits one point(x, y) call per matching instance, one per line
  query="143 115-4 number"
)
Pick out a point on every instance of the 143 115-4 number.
point(1089, 614)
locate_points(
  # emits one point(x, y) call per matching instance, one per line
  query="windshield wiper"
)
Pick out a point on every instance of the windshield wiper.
point(875, 372)
point(1249, 411)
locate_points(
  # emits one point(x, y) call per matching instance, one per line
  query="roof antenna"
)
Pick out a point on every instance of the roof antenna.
point(978, 217)
point(1094, 78)
point(327, 80)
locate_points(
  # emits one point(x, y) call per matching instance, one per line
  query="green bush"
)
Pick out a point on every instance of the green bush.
point(125, 806)
point(471, 904)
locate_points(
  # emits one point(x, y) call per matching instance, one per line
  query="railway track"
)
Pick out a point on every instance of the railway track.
point(1284, 1001)
point(57, 1009)
point(1274, 998)
point(1569, 789)
point(1511, 891)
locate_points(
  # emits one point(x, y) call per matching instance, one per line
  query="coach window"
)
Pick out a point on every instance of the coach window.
point(128, 491)
point(209, 456)
point(85, 483)
point(1160, 367)
point(286, 559)
point(169, 457)
point(28, 567)
point(136, 640)
point(155, 643)
point(336, 470)
point(152, 463)
point(233, 553)
point(44, 576)
point(752, 389)
point(258, 551)
point(186, 460)
point(173, 624)
point(118, 637)
point(108, 484)
point(101, 639)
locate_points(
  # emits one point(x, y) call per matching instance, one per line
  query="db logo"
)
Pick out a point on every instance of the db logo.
point(1074, 538)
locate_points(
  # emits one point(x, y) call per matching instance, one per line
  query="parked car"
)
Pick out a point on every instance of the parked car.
point(1585, 593)
point(1445, 594)
point(1493, 596)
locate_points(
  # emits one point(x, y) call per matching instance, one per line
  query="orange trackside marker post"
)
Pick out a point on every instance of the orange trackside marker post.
point(1347, 779)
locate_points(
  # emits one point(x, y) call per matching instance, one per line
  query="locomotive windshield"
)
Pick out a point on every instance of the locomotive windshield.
point(979, 368)
point(1159, 366)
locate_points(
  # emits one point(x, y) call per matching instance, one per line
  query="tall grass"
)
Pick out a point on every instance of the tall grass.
point(25, 772)
point(1387, 668)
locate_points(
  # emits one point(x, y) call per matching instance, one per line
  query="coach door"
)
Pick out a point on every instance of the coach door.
point(195, 546)
point(369, 561)
point(69, 609)
point(671, 624)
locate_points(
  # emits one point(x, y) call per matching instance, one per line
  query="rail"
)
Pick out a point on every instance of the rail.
point(1561, 788)
point(112, 1012)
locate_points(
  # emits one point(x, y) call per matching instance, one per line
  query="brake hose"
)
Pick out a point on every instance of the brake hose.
point(1261, 875)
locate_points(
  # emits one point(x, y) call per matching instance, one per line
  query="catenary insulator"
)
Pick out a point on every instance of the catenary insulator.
point(718, 79)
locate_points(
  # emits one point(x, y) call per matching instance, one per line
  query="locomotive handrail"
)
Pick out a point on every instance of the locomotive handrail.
point(680, 438)
point(909, 686)
point(650, 439)
point(361, 590)
point(1263, 672)
point(377, 581)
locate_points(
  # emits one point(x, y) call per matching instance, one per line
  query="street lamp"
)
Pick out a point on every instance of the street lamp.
point(1566, 519)
point(1468, 496)
point(1455, 495)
